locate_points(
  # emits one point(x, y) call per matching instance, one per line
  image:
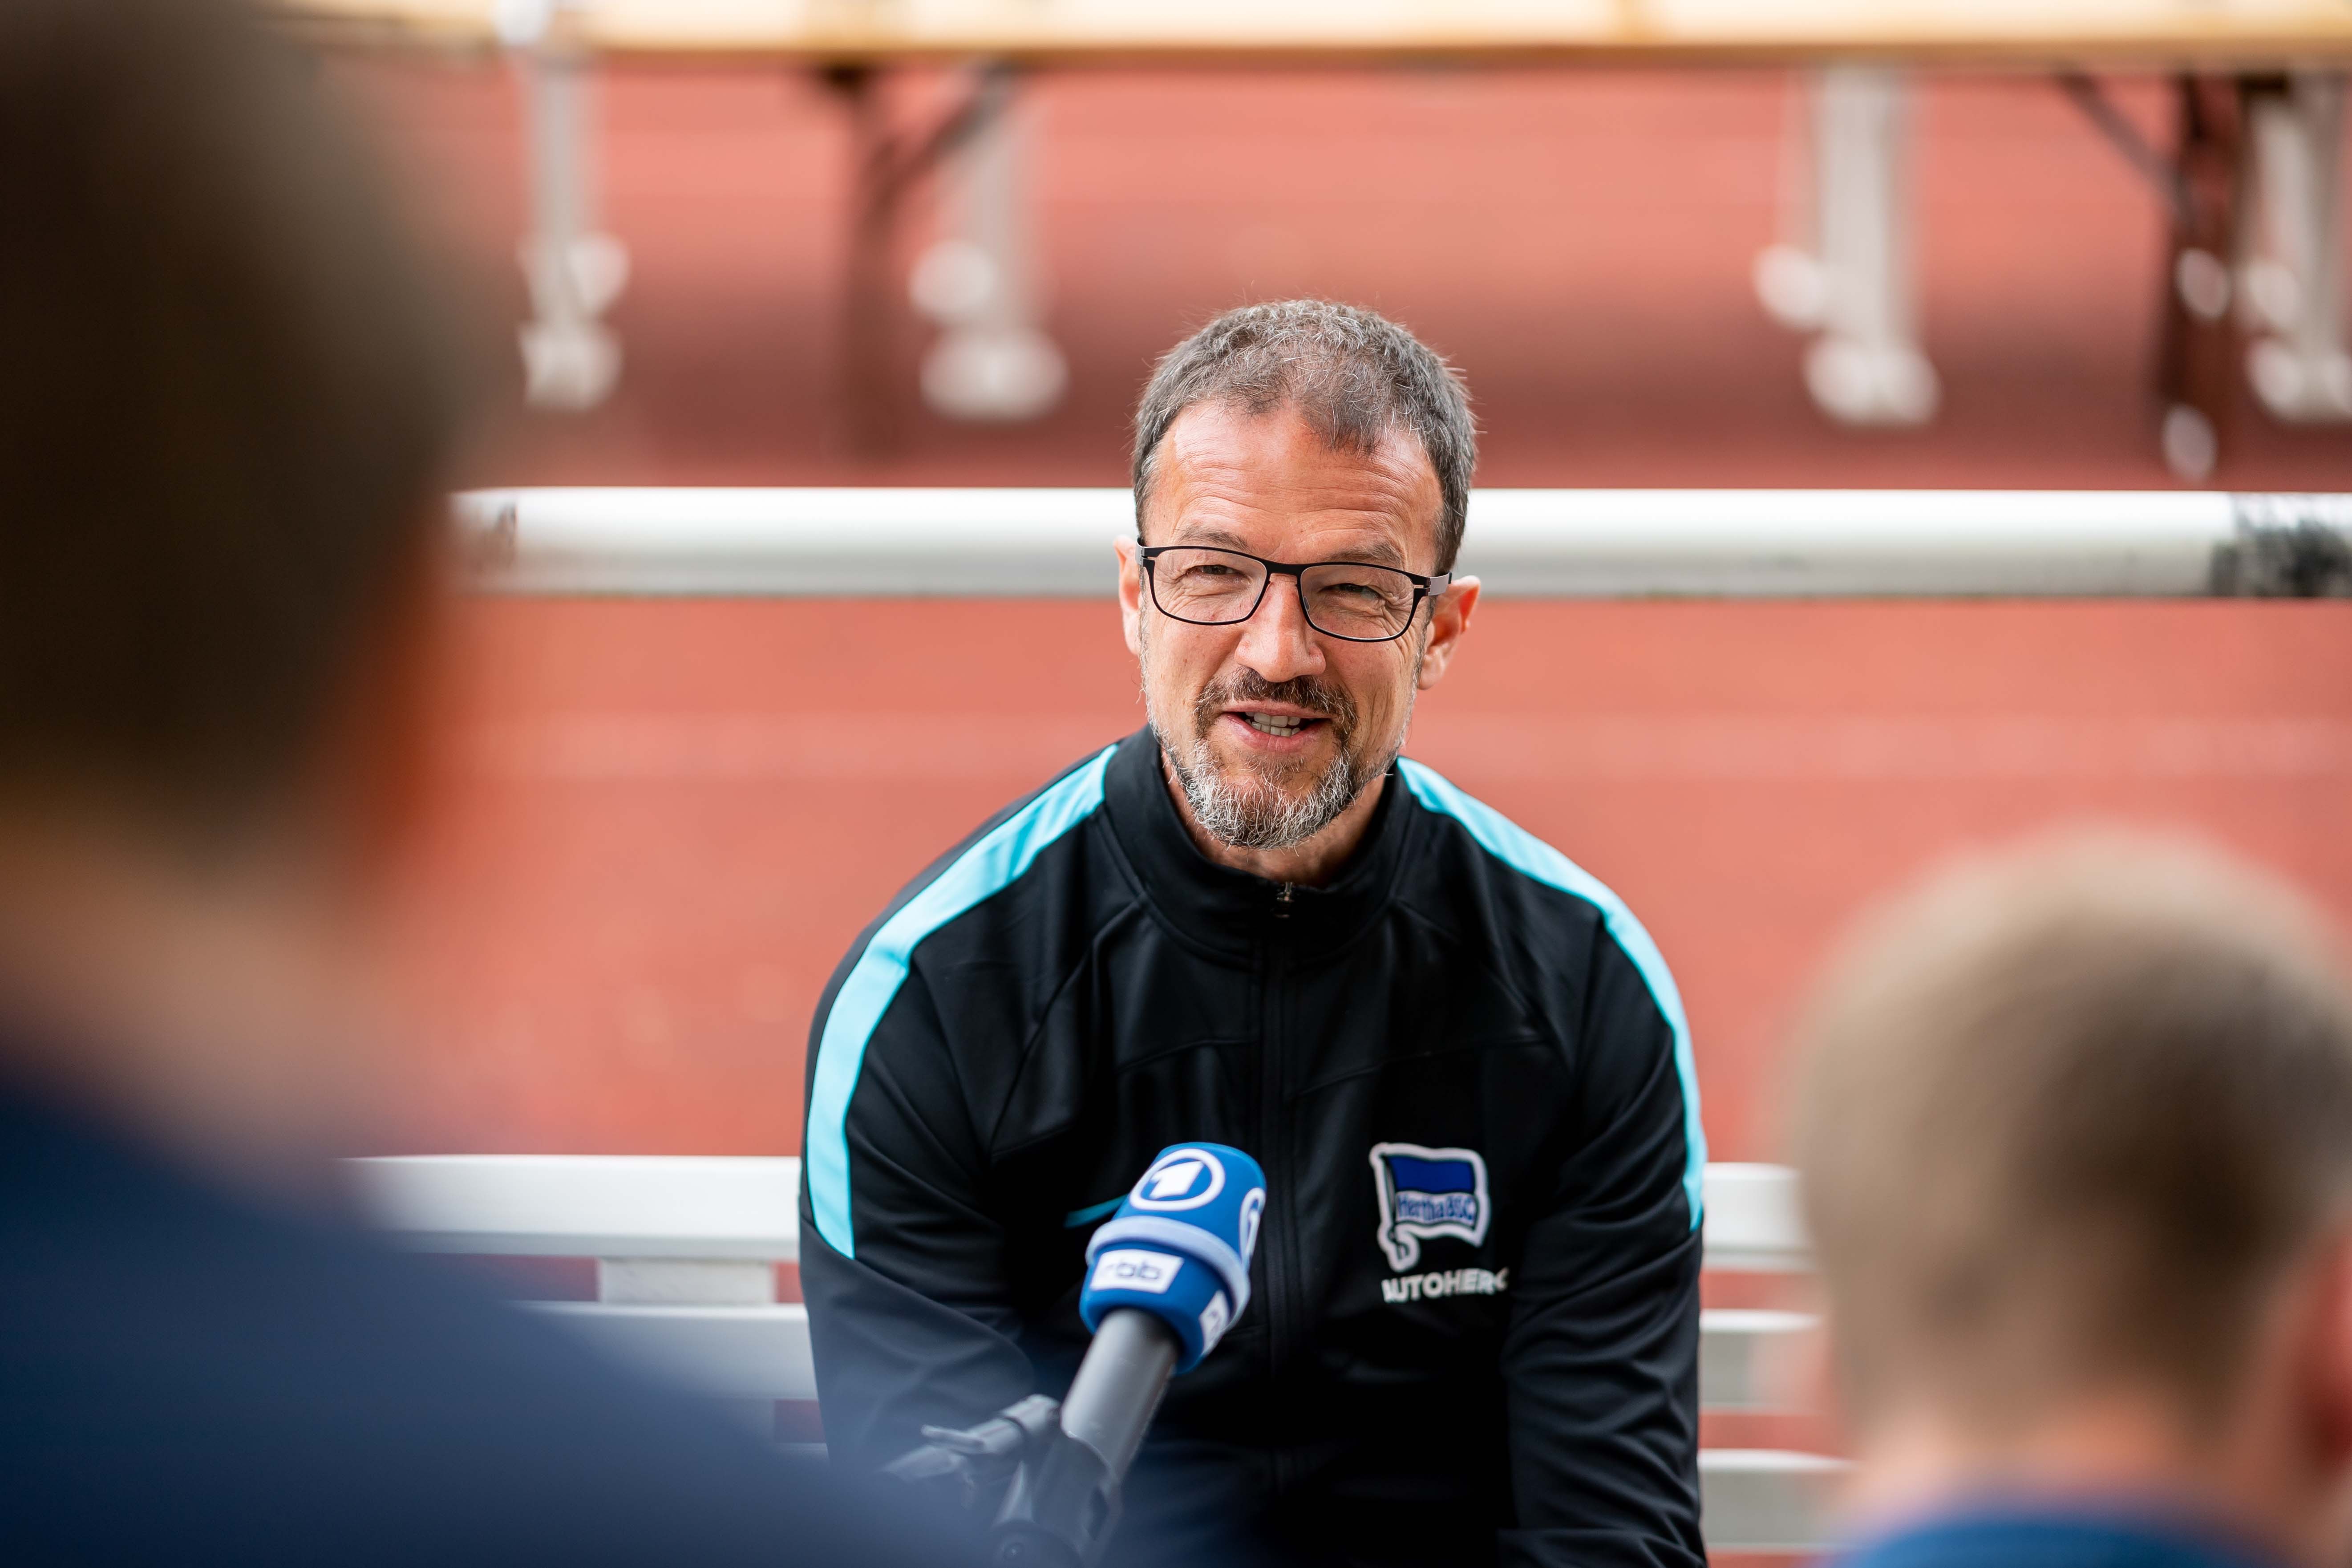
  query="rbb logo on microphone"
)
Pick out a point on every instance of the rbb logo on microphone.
point(1180, 1245)
point(1132, 1268)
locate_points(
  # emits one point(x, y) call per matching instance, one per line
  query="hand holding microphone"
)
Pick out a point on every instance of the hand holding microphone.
point(1166, 1277)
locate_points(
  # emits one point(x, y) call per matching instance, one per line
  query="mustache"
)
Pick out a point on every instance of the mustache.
point(1246, 685)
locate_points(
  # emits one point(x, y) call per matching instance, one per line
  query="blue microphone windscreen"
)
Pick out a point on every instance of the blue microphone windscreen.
point(1180, 1245)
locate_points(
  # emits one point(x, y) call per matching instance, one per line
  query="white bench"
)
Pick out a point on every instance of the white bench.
point(685, 1250)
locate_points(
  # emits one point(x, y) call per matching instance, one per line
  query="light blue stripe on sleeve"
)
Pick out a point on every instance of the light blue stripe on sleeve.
point(1524, 852)
point(1091, 1213)
point(992, 864)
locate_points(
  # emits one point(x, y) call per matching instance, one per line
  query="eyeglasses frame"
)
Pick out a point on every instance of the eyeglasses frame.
point(1426, 588)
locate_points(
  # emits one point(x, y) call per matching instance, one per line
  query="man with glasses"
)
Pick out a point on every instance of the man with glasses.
point(1472, 1325)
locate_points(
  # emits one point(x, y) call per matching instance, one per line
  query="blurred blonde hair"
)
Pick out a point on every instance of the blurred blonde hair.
point(2064, 1117)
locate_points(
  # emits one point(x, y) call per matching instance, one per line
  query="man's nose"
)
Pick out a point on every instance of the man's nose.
point(1276, 641)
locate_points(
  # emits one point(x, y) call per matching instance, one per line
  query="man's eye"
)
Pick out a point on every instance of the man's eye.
point(1205, 574)
point(1359, 594)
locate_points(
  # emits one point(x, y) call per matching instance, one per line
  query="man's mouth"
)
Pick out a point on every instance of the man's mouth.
point(1281, 724)
point(1274, 722)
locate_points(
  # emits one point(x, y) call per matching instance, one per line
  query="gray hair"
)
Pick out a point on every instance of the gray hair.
point(1354, 376)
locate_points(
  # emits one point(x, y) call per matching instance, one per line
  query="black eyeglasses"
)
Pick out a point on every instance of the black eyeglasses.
point(1351, 600)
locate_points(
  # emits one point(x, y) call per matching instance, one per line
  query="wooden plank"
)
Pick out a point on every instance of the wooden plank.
point(1080, 32)
point(569, 1205)
point(648, 1207)
point(1766, 1499)
point(1748, 1358)
point(623, 1206)
point(1753, 1222)
point(762, 1352)
point(747, 1207)
point(722, 1352)
point(1758, 1500)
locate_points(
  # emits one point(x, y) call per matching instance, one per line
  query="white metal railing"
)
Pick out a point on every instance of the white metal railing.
point(686, 1249)
point(1528, 542)
point(736, 1208)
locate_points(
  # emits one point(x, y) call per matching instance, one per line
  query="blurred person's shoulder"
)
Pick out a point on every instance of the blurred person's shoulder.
point(187, 1376)
point(2057, 1535)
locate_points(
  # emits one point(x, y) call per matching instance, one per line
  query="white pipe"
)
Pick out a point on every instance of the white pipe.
point(1542, 544)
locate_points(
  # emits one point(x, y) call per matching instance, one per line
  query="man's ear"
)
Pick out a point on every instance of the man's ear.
point(1448, 619)
point(1130, 593)
point(386, 764)
point(2311, 1350)
point(2325, 1353)
point(2321, 1382)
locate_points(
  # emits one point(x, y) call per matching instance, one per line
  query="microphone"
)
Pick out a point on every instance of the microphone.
point(1166, 1277)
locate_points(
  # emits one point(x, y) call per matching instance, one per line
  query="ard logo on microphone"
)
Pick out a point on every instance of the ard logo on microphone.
point(1180, 1179)
point(1427, 1193)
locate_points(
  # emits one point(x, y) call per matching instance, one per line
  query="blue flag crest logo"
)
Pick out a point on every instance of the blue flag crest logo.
point(1427, 1193)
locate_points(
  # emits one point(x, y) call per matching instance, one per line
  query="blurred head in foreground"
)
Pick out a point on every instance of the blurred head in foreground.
point(225, 409)
point(226, 406)
point(2075, 1134)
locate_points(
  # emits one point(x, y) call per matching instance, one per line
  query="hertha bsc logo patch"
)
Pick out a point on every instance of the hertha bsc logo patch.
point(1427, 1193)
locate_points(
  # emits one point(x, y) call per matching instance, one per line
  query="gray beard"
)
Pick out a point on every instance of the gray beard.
point(1254, 814)
point(1257, 816)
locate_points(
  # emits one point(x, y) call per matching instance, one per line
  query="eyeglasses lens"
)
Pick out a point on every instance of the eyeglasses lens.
point(1209, 587)
point(1366, 602)
point(1218, 587)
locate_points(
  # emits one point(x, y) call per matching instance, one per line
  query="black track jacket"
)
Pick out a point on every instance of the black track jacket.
point(1473, 1325)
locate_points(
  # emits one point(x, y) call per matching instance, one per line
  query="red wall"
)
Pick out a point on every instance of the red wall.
point(672, 816)
point(675, 816)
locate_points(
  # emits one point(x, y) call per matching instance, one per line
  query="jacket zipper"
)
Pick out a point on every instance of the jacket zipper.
point(1277, 1165)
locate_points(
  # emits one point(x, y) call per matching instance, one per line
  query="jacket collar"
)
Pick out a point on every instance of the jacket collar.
point(1234, 913)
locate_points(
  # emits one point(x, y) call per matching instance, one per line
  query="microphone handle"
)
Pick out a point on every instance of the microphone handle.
point(1118, 1388)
